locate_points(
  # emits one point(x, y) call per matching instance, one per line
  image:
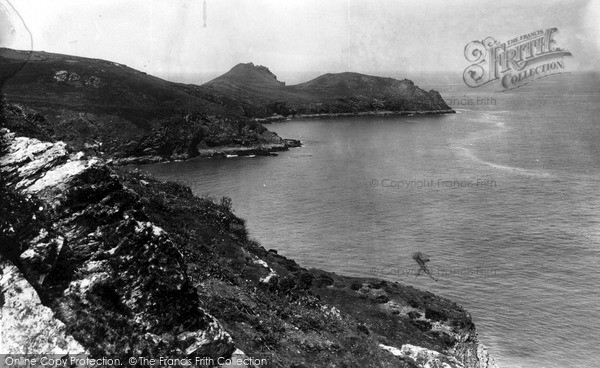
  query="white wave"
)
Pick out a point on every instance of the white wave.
point(493, 118)
point(461, 111)
point(512, 169)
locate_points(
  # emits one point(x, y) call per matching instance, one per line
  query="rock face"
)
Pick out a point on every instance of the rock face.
point(114, 263)
point(26, 324)
point(113, 278)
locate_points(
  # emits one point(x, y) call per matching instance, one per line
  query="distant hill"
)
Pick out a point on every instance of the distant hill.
point(249, 77)
point(254, 91)
point(111, 108)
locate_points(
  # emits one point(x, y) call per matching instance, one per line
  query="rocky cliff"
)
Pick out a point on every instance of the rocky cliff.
point(111, 263)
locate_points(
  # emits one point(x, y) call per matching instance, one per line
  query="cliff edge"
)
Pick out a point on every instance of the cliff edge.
point(111, 263)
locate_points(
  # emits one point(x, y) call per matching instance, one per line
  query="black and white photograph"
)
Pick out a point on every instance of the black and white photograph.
point(300, 183)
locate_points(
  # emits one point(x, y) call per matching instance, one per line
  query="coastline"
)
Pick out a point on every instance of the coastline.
point(277, 118)
point(224, 283)
point(267, 149)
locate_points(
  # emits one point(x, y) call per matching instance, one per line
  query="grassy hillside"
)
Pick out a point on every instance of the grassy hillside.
point(111, 108)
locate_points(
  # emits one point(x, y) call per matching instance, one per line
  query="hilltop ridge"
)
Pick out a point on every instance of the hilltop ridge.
point(255, 92)
point(249, 75)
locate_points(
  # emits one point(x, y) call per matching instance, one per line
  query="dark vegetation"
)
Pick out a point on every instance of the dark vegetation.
point(293, 310)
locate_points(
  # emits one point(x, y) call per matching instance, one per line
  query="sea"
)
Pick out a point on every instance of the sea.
point(503, 197)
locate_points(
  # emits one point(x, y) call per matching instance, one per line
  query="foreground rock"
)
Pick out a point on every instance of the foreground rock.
point(126, 265)
point(26, 324)
point(113, 278)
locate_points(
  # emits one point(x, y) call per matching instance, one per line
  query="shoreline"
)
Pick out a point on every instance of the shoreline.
point(215, 152)
point(266, 149)
point(277, 118)
point(149, 231)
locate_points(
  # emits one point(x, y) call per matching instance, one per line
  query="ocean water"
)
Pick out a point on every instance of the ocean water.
point(503, 196)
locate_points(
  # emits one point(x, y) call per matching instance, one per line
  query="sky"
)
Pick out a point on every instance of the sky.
point(195, 40)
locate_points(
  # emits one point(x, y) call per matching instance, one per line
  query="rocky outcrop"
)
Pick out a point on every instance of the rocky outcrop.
point(113, 278)
point(249, 75)
point(26, 324)
point(115, 263)
point(75, 80)
point(182, 138)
